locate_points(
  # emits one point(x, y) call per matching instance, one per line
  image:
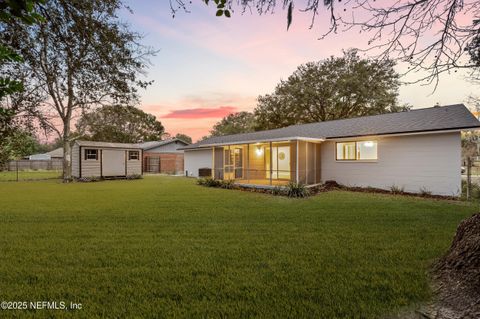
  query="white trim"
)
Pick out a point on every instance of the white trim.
point(401, 134)
point(296, 163)
point(321, 139)
point(280, 139)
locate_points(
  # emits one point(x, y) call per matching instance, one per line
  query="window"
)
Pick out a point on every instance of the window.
point(91, 154)
point(356, 151)
point(133, 155)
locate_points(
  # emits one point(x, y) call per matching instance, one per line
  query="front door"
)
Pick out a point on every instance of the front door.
point(281, 162)
point(113, 163)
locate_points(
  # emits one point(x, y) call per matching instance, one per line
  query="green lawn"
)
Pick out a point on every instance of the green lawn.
point(164, 247)
point(28, 175)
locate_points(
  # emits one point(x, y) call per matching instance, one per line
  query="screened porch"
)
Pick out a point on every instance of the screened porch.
point(268, 163)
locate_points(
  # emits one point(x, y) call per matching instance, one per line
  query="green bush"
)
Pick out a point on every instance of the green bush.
point(227, 184)
point(425, 191)
point(89, 179)
point(297, 190)
point(134, 176)
point(474, 192)
point(394, 189)
point(208, 182)
point(277, 190)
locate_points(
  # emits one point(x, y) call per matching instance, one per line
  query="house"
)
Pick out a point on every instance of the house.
point(52, 155)
point(415, 150)
point(102, 159)
point(163, 156)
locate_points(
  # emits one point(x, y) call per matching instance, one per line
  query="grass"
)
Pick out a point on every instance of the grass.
point(164, 247)
point(29, 175)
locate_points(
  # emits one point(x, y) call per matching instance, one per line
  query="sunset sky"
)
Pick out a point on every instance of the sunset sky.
point(208, 67)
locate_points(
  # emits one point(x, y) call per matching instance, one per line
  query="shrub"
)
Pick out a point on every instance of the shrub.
point(208, 182)
point(474, 192)
point(134, 176)
point(277, 190)
point(424, 191)
point(331, 184)
point(227, 184)
point(394, 189)
point(297, 190)
point(89, 179)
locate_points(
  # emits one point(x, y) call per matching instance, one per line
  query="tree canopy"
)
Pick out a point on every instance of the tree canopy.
point(16, 145)
point(121, 124)
point(184, 137)
point(241, 122)
point(82, 56)
point(335, 88)
point(331, 89)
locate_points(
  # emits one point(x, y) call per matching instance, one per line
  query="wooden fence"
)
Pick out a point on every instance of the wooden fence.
point(34, 165)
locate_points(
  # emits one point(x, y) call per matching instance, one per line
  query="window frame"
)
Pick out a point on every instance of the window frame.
point(356, 152)
point(130, 152)
point(86, 154)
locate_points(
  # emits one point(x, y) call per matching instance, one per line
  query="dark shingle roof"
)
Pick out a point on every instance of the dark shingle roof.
point(58, 152)
point(153, 144)
point(449, 117)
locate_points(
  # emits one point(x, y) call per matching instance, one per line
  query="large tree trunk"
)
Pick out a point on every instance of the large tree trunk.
point(67, 155)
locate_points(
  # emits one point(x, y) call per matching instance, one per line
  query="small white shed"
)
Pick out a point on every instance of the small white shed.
point(102, 159)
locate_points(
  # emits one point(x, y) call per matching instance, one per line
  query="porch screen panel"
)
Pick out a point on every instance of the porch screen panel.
point(318, 163)
point(302, 162)
point(218, 163)
point(293, 160)
point(310, 158)
point(257, 162)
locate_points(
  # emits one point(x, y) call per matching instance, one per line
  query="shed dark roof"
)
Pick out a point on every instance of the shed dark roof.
point(449, 117)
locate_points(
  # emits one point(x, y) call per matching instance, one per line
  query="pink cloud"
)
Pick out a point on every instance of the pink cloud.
point(200, 112)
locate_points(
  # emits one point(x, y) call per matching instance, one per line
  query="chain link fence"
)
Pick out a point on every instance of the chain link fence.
point(30, 170)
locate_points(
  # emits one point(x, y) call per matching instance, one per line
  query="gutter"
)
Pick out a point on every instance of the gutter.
point(278, 139)
point(319, 140)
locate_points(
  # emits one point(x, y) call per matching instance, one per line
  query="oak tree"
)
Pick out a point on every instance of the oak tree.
point(120, 124)
point(80, 57)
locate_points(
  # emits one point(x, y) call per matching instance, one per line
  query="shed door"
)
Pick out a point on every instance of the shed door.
point(113, 162)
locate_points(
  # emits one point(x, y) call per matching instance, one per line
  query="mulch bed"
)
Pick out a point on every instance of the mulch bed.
point(331, 185)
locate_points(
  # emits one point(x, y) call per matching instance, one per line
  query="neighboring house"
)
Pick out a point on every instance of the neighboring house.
point(163, 156)
point(102, 159)
point(55, 154)
point(52, 160)
point(417, 150)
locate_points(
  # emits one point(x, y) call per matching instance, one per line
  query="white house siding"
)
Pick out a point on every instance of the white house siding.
point(75, 161)
point(196, 159)
point(134, 166)
point(90, 168)
point(430, 161)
